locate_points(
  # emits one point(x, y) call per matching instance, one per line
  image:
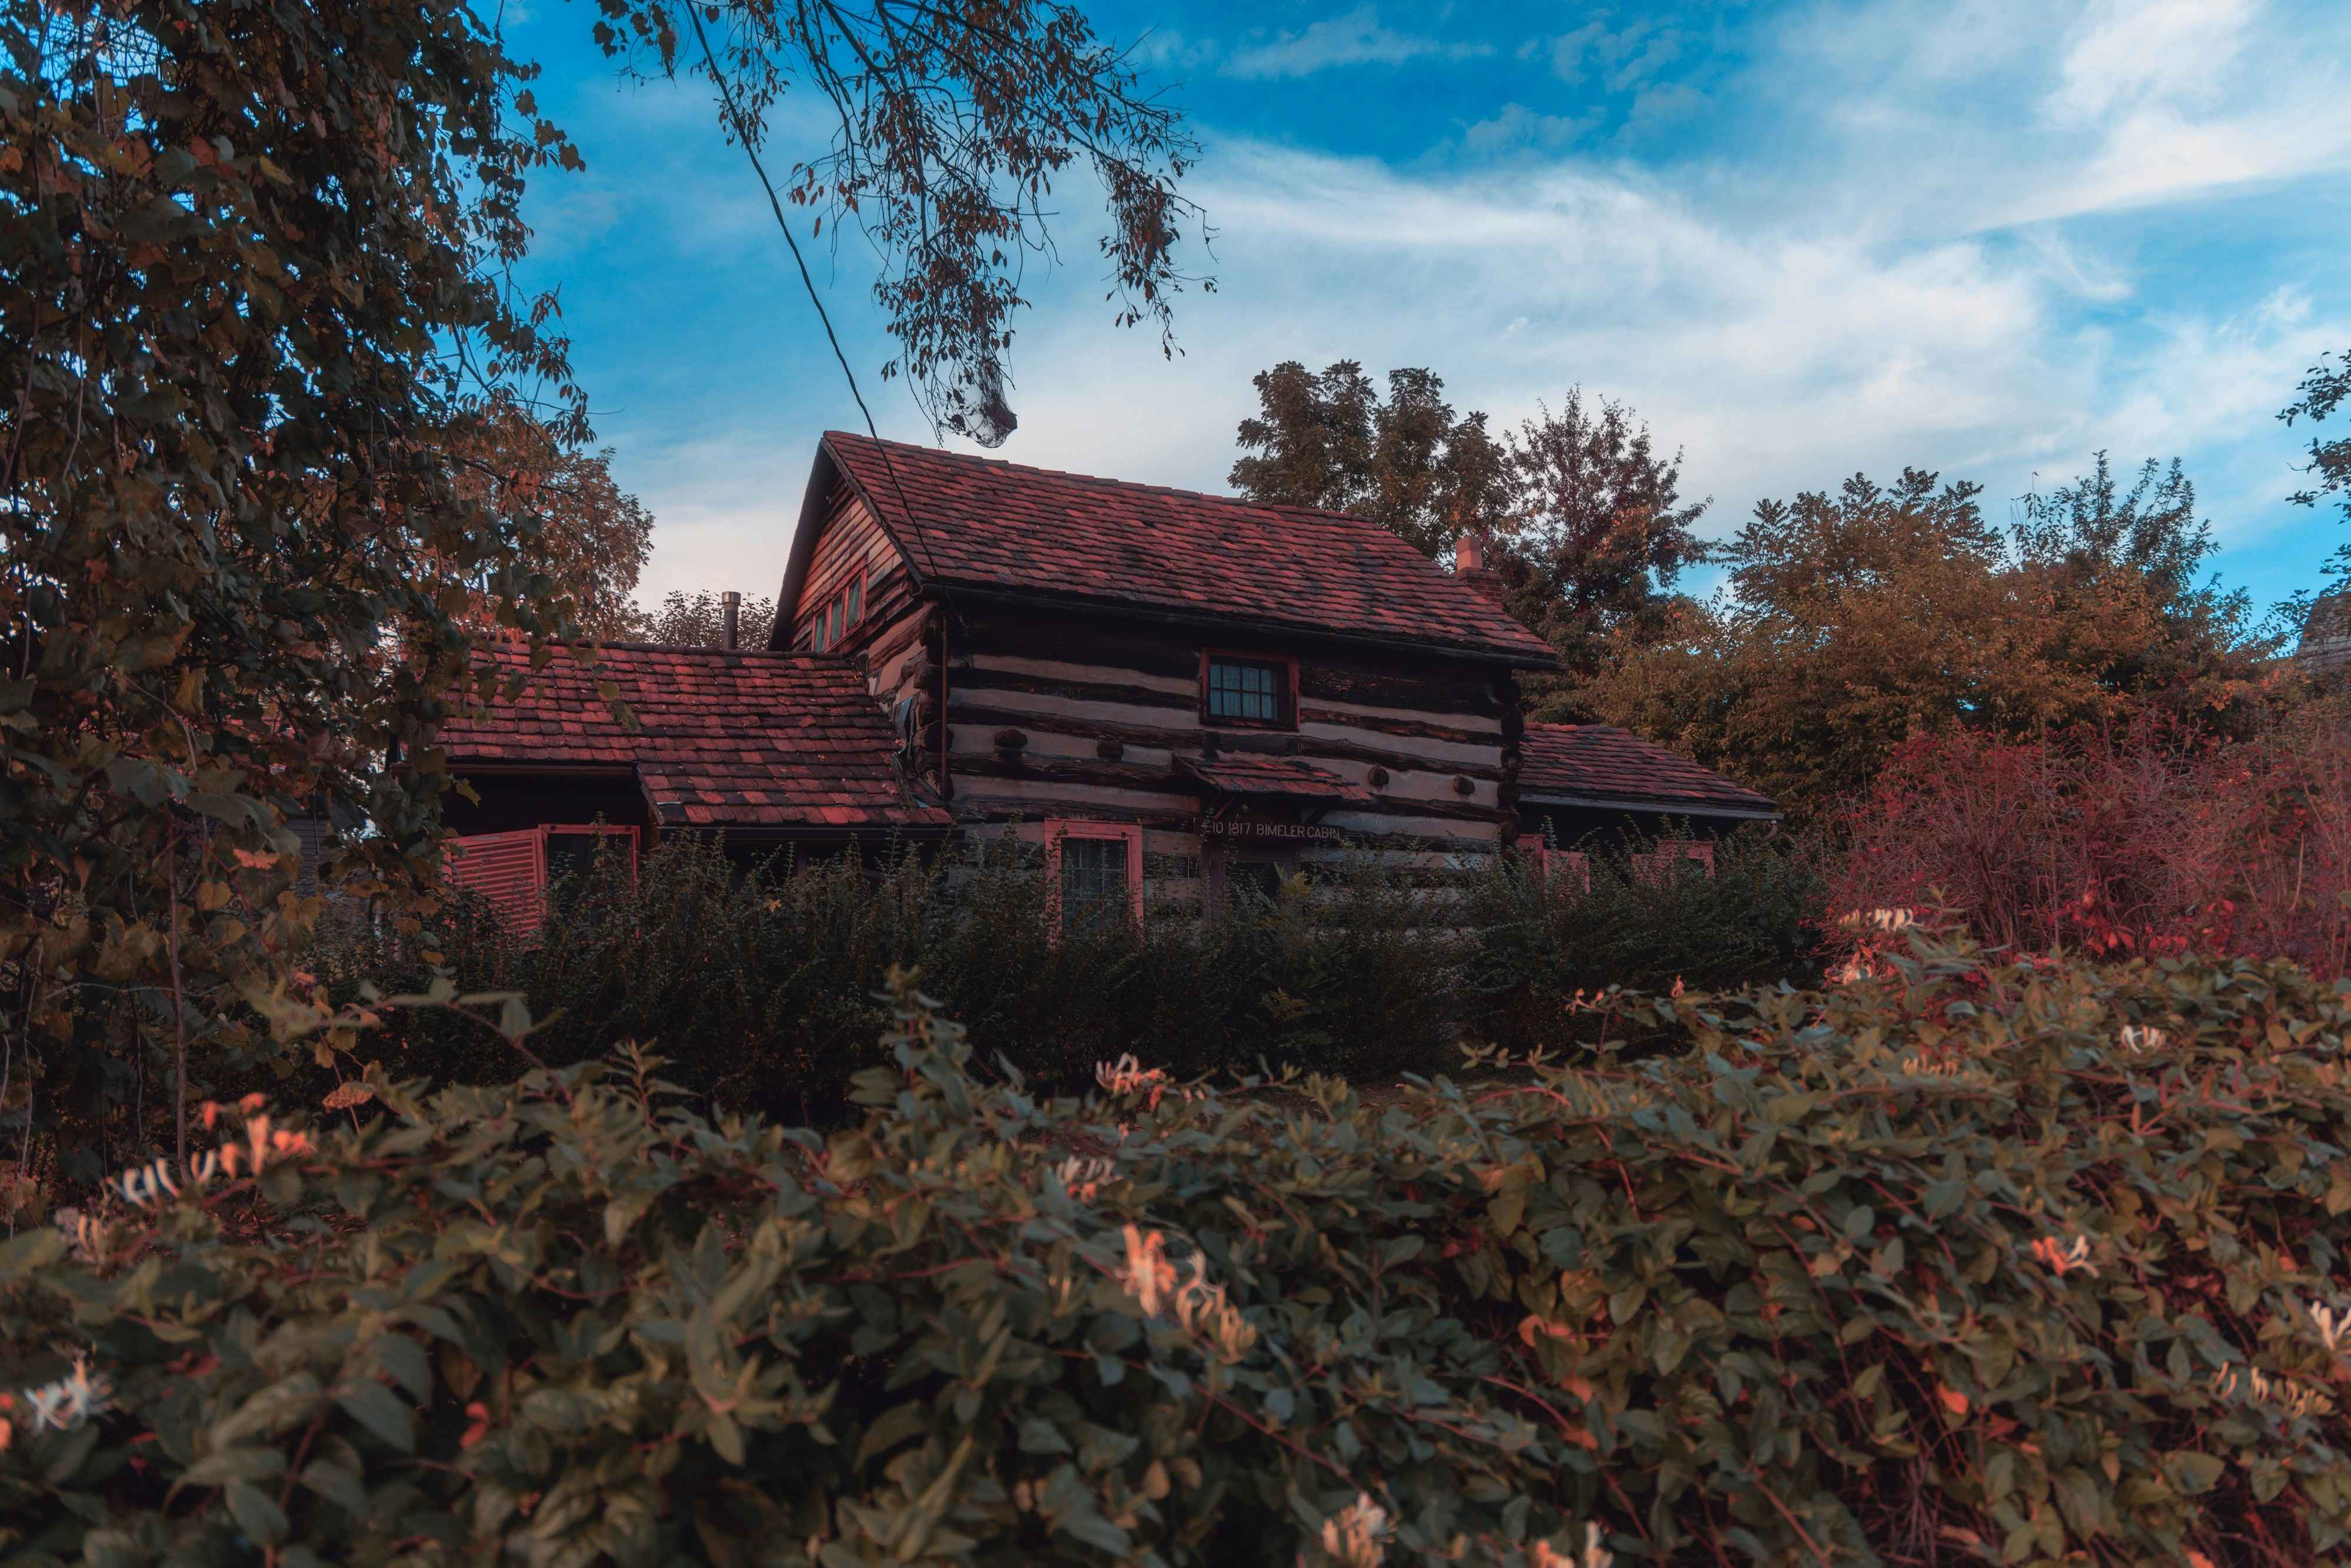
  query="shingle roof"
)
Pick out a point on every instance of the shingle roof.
point(738, 738)
point(1600, 762)
point(988, 523)
point(1246, 775)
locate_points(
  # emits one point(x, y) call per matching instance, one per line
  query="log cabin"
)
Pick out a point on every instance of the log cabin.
point(1156, 686)
point(1162, 693)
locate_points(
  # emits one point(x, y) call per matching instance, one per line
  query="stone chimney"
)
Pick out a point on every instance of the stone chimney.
point(1470, 565)
point(730, 613)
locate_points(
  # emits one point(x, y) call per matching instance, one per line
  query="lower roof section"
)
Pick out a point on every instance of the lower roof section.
point(736, 738)
point(1602, 766)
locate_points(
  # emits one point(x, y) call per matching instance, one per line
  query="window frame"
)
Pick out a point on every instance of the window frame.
point(1059, 830)
point(839, 615)
point(1661, 862)
point(1551, 862)
point(1285, 693)
point(521, 902)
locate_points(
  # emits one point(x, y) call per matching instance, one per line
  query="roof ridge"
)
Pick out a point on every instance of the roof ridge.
point(1290, 508)
point(634, 647)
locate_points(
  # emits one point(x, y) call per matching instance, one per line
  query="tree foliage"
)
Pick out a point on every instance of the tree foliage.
point(1586, 514)
point(251, 274)
point(590, 537)
point(2141, 843)
point(1406, 461)
point(1597, 536)
point(1967, 1260)
point(1856, 620)
point(699, 620)
point(950, 126)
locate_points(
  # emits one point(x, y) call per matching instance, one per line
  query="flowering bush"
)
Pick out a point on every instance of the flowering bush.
point(2110, 846)
point(1961, 1261)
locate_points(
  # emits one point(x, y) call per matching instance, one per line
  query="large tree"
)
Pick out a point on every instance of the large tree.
point(256, 334)
point(252, 272)
point(591, 537)
point(1597, 536)
point(1586, 513)
point(1405, 461)
point(699, 620)
point(1857, 619)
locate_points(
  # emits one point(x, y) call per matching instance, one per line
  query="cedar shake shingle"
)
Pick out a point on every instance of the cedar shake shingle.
point(1246, 775)
point(735, 738)
point(1600, 762)
point(980, 523)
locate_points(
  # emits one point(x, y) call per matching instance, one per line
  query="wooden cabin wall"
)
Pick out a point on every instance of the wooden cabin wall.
point(851, 540)
point(1079, 686)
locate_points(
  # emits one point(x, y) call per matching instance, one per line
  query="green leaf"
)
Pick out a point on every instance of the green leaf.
point(2193, 1472)
point(377, 1409)
point(1038, 1435)
point(257, 1513)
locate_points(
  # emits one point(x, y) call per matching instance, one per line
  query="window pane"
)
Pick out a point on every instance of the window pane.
point(856, 601)
point(1252, 692)
point(1093, 882)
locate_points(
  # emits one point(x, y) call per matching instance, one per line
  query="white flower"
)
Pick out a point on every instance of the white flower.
point(1357, 1536)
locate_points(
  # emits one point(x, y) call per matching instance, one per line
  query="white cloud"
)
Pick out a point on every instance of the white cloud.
point(1515, 127)
point(1901, 274)
point(1356, 38)
point(2137, 50)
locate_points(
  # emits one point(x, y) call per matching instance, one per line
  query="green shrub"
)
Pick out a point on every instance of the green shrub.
point(1540, 944)
point(1968, 1262)
point(1354, 974)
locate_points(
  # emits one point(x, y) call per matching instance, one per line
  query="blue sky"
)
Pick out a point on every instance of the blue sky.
point(1801, 240)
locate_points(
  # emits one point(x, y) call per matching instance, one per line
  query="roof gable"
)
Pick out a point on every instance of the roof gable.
point(985, 525)
point(731, 739)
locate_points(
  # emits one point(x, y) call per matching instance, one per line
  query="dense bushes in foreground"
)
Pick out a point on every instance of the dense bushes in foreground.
point(1364, 973)
point(1973, 1262)
point(2108, 844)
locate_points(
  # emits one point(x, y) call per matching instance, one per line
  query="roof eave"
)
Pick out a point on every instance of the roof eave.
point(1504, 657)
point(1642, 803)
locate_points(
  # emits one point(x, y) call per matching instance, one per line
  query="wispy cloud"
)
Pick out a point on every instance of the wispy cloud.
point(1357, 38)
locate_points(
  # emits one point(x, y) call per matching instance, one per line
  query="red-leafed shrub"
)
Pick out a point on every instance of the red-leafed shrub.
point(2110, 846)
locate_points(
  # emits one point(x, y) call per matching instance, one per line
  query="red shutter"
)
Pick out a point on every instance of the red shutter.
point(509, 870)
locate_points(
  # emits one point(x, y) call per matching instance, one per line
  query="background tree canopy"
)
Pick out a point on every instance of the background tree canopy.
point(1856, 621)
point(1591, 528)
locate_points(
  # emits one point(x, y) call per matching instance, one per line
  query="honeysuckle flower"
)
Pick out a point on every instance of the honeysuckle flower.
point(1128, 1076)
point(1207, 1315)
point(2064, 1258)
point(1148, 1275)
point(1084, 1177)
point(1358, 1534)
point(1593, 1555)
point(2137, 1038)
point(80, 1396)
point(2332, 1326)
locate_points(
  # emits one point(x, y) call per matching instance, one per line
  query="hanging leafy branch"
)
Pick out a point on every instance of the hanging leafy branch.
point(950, 124)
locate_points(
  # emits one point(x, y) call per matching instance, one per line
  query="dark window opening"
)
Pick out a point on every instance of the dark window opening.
point(1245, 691)
point(1094, 889)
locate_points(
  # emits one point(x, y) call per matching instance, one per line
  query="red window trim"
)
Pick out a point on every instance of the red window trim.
point(1288, 720)
point(1652, 866)
point(1550, 862)
point(1058, 829)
